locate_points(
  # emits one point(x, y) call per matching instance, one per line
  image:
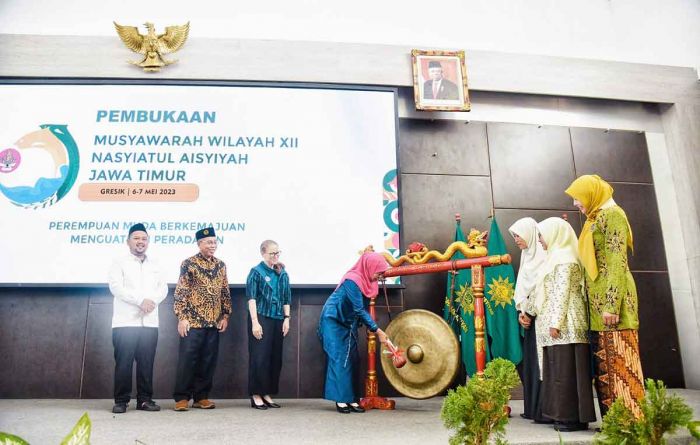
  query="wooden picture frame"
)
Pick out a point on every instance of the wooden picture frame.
point(440, 80)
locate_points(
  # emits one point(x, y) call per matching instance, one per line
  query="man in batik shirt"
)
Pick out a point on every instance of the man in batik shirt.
point(202, 306)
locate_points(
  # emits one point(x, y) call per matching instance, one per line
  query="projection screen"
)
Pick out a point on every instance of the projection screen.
point(313, 168)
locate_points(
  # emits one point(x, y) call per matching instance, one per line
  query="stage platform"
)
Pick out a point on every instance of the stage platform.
point(300, 421)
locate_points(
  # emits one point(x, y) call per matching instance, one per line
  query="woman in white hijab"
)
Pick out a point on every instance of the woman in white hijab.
point(562, 330)
point(532, 256)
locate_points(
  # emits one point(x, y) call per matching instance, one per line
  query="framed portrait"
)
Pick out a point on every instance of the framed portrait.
point(440, 80)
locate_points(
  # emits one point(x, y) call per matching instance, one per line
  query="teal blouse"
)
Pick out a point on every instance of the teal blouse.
point(269, 289)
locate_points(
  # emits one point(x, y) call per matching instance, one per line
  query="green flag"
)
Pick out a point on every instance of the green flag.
point(459, 308)
point(501, 316)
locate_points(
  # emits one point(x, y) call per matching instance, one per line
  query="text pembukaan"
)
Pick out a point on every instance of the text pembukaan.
point(157, 116)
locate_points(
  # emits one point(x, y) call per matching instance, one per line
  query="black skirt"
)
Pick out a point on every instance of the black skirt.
point(567, 387)
point(530, 375)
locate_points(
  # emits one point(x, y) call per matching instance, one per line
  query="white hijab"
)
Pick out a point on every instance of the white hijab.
point(562, 248)
point(531, 259)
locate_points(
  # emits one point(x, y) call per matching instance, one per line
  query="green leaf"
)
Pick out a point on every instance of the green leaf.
point(476, 411)
point(9, 439)
point(80, 435)
point(694, 428)
point(662, 414)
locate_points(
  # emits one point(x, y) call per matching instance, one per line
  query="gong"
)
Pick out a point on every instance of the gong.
point(431, 350)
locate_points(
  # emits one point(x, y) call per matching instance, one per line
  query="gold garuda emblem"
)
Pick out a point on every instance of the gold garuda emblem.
point(153, 46)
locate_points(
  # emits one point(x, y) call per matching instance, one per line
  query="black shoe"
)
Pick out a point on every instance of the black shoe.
point(255, 405)
point(570, 427)
point(148, 405)
point(543, 421)
point(119, 408)
point(343, 409)
point(270, 404)
point(525, 416)
point(355, 408)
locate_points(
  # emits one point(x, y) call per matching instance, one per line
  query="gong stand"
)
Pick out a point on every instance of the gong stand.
point(372, 398)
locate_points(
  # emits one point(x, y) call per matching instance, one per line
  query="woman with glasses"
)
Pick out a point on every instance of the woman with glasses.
point(269, 299)
point(532, 257)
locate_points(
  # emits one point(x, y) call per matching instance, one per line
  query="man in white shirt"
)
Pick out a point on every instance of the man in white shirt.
point(138, 288)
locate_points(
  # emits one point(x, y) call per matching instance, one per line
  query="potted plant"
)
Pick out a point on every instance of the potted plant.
point(661, 414)
point(79, 435)
point(477, 411)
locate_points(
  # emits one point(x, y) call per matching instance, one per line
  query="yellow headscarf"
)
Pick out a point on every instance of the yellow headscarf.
point(592, 191)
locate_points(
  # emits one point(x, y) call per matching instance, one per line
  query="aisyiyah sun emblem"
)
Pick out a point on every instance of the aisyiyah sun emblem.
point(501, 291)
point(41, 167)
point(465, 298)
point(153, 46)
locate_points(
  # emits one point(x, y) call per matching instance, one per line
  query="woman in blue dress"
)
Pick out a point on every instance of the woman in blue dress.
point(340, 317)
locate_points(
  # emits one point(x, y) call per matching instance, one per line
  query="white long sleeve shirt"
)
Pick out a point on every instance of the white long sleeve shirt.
point(131, 281)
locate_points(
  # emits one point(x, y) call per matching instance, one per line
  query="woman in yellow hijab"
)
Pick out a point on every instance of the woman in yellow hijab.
point(612, 294)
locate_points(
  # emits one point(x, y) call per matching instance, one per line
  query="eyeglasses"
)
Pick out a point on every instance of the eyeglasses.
point(274, 253)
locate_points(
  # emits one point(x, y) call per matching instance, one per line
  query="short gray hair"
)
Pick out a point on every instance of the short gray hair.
point(265, 244)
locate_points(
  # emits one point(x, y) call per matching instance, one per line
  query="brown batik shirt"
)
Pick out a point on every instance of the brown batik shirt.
point(202, 295)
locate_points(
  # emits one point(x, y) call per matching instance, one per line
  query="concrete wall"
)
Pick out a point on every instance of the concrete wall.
point(640, 31)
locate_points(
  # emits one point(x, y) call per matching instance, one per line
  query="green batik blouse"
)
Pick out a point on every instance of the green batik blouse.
point(613, 290)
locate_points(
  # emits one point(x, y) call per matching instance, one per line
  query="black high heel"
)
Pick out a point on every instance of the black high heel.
point(255, 405)
point(343, 409)
point(356, 408)
point(270, 404)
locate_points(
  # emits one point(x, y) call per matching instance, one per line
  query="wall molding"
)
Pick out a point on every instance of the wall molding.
point(347, 63)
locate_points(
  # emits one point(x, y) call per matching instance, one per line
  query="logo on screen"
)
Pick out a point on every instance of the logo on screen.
point(41, 167)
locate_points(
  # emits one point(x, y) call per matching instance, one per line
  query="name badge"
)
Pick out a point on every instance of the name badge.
point(267, 279)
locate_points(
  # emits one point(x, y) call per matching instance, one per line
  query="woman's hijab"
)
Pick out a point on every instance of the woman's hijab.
point(562, 248)
point(531, 258)
point(363, 271)
point(593, 193)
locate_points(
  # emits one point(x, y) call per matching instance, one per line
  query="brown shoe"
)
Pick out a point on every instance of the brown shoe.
point(204, 404)
point(182, 405)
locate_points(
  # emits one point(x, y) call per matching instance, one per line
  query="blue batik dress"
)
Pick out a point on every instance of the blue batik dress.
point(340, 317)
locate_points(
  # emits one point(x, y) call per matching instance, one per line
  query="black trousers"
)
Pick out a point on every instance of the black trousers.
point(265, 357)
point(196, 364)
point(134, 343)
